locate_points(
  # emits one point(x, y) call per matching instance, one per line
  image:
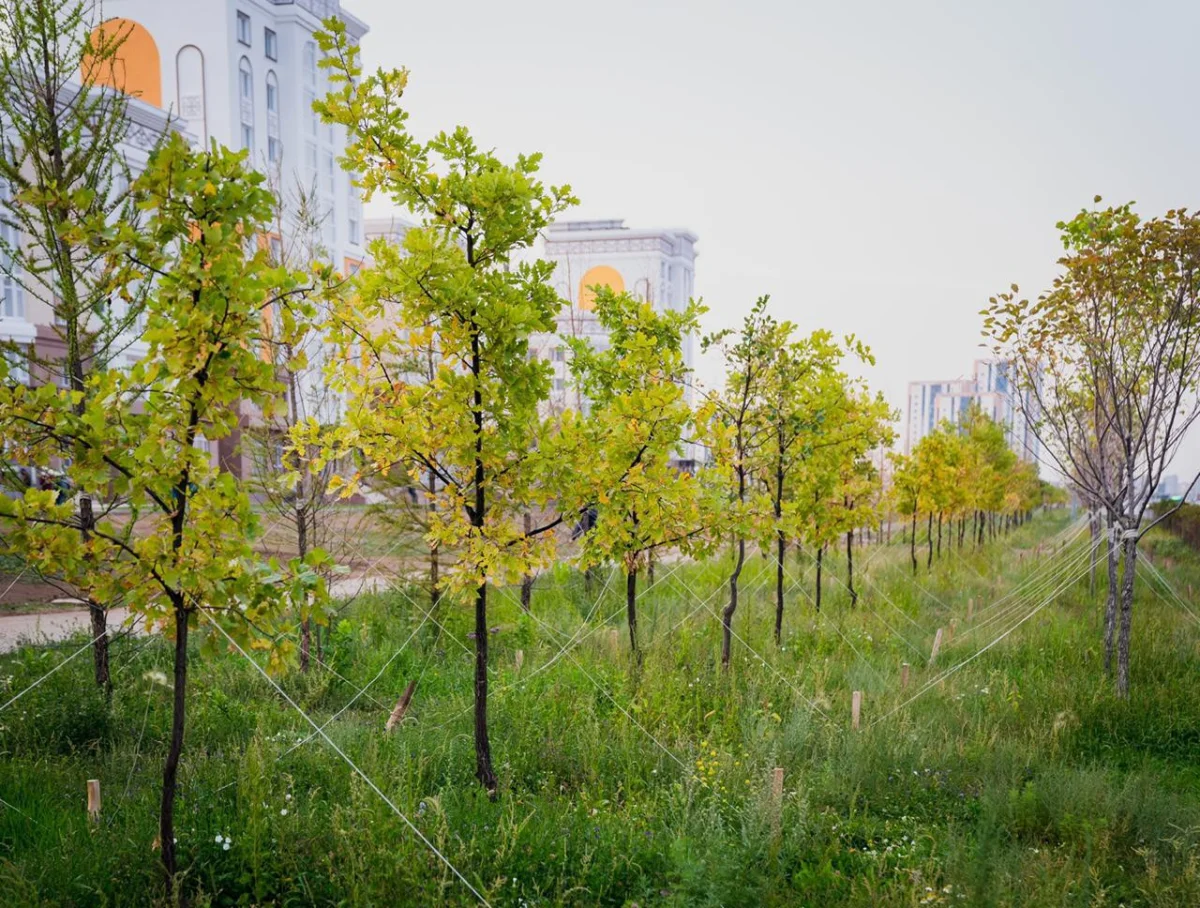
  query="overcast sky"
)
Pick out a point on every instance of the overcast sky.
point(877, 168)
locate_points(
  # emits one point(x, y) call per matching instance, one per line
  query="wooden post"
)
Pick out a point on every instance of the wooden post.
point(93, 800)
point(903, 675)
point(401, 707)
point(776, 799)
point(970, 609)
point(950, 630)
point(937, 645)
point(855, 708)
point(520, 659)
point(614, 640)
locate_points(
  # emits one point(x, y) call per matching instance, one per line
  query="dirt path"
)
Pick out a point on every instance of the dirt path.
point(48, 627)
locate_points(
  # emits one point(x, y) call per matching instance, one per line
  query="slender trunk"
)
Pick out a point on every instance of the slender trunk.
point(302, 550)
point(939, 545)
point(1127, 578)
point(435, 567)
point(483, 748)
point(631, 609)
point(850, 567)
point(912, 542)
point(650, 560)
point(780, 543)
point(1110, 608)
point(820, 558)
point(731, 607)
point(166, 817)
point(527, 577)
point(780, 553)
point(1094, 528)
point(929, 542)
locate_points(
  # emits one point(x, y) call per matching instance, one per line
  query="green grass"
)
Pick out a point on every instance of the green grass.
point(1019, 780)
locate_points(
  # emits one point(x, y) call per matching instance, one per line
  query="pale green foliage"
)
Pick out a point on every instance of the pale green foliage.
point(455, 287)
point(139, 434)
point(620, 455)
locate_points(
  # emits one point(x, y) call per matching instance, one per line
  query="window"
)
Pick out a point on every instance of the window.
point(243, 29)
point(560, 384)
point(558, 355)
point(330, 171)
point(246, 98)
point(310, 64)
point(274, 146)
point(12, 301)
point(270, 44)
point(309, 97)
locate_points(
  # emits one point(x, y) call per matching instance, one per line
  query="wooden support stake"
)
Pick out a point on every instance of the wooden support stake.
point(401, 707)
point(776, 798)
point(93, 800)
point(855, 708)
point(937, 645)
point(903, 675)
point(520, 659)
point(950, 630)
point(970, 609)
point(614, 640)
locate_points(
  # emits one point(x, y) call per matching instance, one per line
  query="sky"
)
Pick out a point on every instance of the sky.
point(878, 168)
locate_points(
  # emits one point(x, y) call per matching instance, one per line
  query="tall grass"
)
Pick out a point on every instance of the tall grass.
point(1018, 780)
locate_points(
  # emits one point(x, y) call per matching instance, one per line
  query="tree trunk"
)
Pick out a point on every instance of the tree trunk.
point(166, 817)
point(1094, 532)
point(912, 541)
point(527, 578)
point(631, 610)
point(1110, 608)
point(302, 550)
point(435, 567)
point(850, 567)
point(939, 545)
point(1130, 566)
point(820, 558)
point(650, 560)
point(478, 514)
point(727, 613)
point(929, 542)
point(780, 553)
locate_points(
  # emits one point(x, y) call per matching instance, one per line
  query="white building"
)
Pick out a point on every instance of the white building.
point(992, 388)
point(245, 73)
point(657, 265)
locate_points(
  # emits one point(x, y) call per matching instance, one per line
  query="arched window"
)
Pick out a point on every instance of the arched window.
point(600, 276)
point(274, 146)
point(134, 68)
point(246, 101)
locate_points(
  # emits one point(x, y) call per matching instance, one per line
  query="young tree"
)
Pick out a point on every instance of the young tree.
point(477, 426)
point(625, 445)
point(143, 433)
point(298, 352)
point(1110, 356)
point(732, 420)
point(66, 185)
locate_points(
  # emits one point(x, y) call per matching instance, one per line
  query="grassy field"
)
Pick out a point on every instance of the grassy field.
point(1018, 780)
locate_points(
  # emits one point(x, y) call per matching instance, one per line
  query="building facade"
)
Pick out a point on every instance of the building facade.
point(656, 265)
point(992, 388)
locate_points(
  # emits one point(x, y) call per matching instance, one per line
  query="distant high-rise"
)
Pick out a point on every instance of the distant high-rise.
point(992, 389)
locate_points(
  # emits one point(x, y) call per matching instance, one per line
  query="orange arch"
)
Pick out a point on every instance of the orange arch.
point(126, 58)
point(603, 276)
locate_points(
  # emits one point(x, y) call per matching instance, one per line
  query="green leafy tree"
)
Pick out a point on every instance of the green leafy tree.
point(732, 422)
point(66, 182)
point(627, 443)
point(476, 427)
point(144, 432)
point(1110, 357)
